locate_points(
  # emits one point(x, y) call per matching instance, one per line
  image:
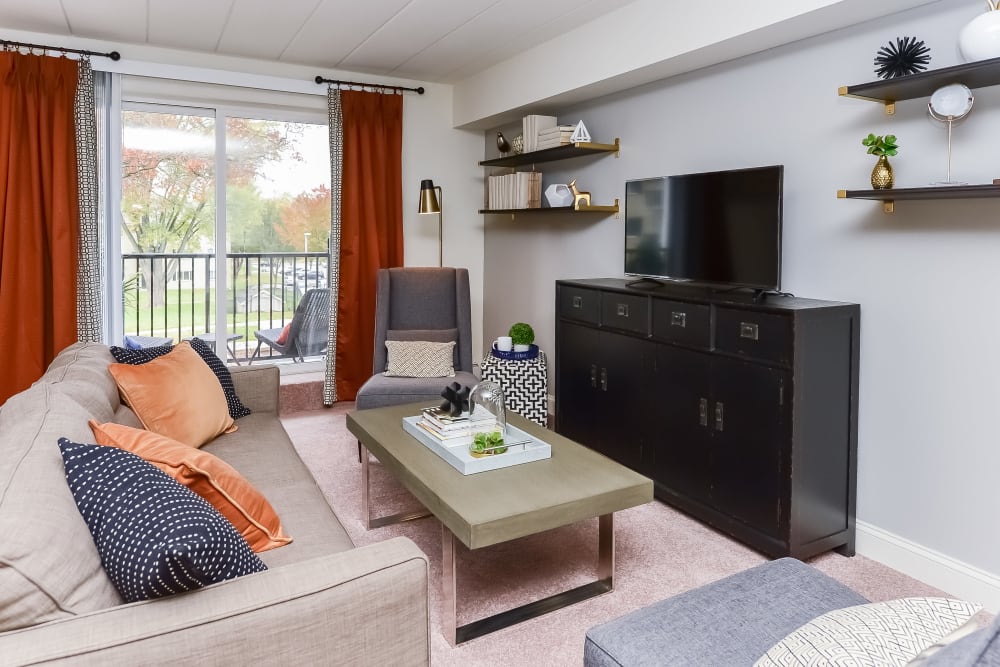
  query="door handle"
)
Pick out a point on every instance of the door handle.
point(703, 411)
point(749, 330)
point(678, 320)
point(578, 302)
point(593, 376)
point(719, 423)
point(622, 310)
point(604, 379)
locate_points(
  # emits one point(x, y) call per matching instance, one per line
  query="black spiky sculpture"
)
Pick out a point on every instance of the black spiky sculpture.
point(906, 56)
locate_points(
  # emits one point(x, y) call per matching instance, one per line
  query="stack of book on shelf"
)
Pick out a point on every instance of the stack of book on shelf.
point(554, 136)
point(519, 190)
point(450, 430)
point(531, 126)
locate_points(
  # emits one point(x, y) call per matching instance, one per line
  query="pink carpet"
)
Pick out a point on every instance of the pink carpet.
point(659, 552)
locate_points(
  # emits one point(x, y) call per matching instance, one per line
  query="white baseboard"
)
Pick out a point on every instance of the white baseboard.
point(952, 576)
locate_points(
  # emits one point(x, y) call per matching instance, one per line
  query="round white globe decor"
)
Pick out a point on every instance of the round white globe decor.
point(980, 38)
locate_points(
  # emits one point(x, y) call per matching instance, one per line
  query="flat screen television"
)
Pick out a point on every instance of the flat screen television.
point(716, 228)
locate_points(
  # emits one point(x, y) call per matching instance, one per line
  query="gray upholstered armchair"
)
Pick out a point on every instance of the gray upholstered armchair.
point(419, 304)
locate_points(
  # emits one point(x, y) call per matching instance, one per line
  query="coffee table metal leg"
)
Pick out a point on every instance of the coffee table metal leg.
point(457, 634)
point(366, 505)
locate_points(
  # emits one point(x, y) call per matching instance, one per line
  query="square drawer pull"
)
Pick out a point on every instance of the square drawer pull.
point(622, 310)
point(578, 302)
point(748, 330)
point(678, 320)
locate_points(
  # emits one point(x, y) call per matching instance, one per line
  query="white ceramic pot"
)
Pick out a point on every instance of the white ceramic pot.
point(519, 347)
point(980, 38)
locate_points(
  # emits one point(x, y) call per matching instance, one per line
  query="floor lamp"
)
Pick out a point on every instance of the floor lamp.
point(431, 201)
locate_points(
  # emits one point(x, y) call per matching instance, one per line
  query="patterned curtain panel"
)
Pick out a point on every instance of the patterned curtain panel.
point(89, 312)
point(336, 165)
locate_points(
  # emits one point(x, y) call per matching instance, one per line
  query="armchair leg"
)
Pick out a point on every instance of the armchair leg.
point(254, 355)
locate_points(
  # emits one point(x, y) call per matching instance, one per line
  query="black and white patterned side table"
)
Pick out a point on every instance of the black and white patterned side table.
point(525, 385)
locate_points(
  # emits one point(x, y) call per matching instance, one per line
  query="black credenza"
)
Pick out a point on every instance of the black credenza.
point(744, 414)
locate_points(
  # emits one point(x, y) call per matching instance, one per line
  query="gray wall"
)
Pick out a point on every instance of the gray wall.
point(926, 277)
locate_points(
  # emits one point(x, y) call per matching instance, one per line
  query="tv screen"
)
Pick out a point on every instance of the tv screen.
point(720, 227)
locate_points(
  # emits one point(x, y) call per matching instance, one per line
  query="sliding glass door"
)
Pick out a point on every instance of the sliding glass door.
point(220, 264)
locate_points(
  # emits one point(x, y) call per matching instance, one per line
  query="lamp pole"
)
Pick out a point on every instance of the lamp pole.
point(305, 240)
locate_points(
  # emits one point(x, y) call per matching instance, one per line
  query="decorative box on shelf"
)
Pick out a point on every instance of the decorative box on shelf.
point(524, 382)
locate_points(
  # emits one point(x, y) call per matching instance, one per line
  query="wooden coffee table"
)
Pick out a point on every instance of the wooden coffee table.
point(492, 507)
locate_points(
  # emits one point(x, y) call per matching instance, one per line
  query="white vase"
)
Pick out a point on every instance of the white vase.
point(980, 38)
point(558, 194)
point(521, 347)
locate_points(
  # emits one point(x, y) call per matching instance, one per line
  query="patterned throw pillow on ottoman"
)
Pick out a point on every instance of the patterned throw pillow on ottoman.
point(155, 536)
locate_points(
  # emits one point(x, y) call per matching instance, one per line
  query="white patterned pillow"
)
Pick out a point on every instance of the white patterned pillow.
point(879, 634)
point(419, 359)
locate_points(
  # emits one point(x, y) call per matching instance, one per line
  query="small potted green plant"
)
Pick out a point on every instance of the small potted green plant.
point(883, 147)
point(522, 335)
point(486, 444)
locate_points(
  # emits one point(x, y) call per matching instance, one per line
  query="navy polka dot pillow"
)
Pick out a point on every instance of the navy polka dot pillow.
point(155, 536)
point(123, 355)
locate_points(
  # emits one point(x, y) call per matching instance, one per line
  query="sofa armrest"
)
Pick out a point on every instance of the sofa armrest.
point(257, 386)
point(366, 606)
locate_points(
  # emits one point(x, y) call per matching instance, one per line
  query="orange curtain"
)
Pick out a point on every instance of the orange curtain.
point(39, 215)
point(371, 228)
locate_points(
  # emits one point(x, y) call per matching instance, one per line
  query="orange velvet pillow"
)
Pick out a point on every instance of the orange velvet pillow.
point(176, 395)
point(207, 475)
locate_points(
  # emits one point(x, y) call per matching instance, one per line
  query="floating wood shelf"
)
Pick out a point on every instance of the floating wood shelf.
point(981, 74)
point(549, 154)
point(888, 197)
point(613, 208)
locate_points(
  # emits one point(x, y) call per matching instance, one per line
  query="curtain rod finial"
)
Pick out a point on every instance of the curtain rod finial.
point(319, 79)
point(420, 90)
point(114, 55)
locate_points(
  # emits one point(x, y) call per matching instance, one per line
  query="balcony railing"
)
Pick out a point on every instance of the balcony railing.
point(174, 296)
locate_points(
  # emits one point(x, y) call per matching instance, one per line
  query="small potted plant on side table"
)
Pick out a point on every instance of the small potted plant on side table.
point(522, 335)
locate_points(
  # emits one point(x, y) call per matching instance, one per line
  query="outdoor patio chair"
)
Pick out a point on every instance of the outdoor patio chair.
point(308, 333)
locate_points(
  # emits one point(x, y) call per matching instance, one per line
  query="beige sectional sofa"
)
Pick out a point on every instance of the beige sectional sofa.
point(321, 600)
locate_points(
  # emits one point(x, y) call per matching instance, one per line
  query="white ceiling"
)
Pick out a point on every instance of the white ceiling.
point(429, 40)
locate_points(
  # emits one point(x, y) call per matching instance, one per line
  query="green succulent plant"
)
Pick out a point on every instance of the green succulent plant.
point(879, 145)
point(487, 444)
point(521, 334)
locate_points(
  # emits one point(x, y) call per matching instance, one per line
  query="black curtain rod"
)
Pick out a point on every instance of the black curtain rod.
point(114, 55)
point(418, 91)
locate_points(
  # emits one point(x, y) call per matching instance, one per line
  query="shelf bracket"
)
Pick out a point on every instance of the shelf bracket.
point(890, 107)
point(888, 206)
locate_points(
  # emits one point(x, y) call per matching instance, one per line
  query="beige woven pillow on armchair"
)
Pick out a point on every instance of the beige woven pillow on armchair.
point(419, 359)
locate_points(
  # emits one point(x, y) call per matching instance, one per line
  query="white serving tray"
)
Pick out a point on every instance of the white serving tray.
point(521, 448)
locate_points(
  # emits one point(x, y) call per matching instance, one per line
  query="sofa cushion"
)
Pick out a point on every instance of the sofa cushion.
point(207, 475)
point(81, 371)
point(155, 536)
point(263, 453)
point(871, 635)
point(176, 395)
point(733, 621)
point(49, 566)
point(980, 648)
point(126, 355)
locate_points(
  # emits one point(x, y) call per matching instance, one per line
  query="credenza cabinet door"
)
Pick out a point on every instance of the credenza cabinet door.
point(751, 433)
point(679, 433)
point(578, 390)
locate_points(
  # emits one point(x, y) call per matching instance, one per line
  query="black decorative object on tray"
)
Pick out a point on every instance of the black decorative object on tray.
point(906, 56)
point(456, 399)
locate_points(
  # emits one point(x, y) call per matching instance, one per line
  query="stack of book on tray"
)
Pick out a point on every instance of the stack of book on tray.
point(519, 190)
point(554, 136)
point(450, 430)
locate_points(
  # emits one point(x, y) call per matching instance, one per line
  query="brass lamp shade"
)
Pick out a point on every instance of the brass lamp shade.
point(428, 197)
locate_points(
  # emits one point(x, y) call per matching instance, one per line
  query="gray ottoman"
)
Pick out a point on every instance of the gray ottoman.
point(730, 622)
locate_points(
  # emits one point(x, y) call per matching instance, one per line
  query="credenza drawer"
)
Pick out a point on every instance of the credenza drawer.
point(626, 312)
point(583, 305)
point(680, 322)
point(758, 335)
